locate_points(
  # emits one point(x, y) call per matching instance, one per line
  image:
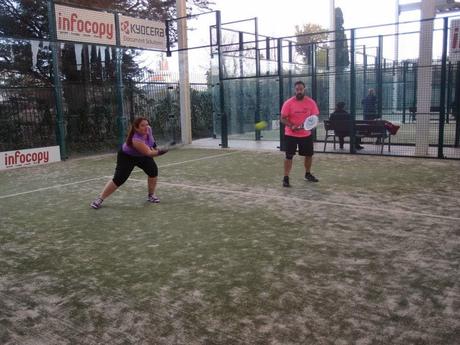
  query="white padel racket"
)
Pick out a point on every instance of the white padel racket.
point(311, 122)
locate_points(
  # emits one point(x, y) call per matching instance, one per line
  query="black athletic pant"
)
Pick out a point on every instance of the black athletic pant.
point(126, 164)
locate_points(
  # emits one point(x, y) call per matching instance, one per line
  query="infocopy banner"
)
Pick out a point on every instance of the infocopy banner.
point(76, 24)
point(142, 33)
point(30, 157)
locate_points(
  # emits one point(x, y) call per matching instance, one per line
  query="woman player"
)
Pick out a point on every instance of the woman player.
point(138, 150)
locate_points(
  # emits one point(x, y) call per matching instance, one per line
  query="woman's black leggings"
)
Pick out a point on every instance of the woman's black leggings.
point(126, 164)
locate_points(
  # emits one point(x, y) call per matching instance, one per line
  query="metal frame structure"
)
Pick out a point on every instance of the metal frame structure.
point(380, 66)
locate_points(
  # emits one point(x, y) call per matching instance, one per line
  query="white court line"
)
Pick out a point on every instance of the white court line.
point(195, 160)
point(316, 202)
point(101, 177)
point(50, 187)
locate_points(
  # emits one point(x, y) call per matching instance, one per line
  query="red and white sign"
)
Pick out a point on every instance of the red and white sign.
point(76, 24)
point(142, 33)
point(454, 41)
point(30, 157)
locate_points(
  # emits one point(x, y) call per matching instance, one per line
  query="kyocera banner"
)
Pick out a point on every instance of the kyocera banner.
point(76, 24)
point(30, 157)
point(142, 33)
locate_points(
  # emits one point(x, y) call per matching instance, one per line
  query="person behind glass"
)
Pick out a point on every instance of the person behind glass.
point(293, 114)
point(370, 106)
point(341, 115)
point(138, 150)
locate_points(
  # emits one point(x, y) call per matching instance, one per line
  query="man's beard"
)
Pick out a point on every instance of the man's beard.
point(299, 96)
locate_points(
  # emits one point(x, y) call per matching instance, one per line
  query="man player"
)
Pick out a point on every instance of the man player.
point(293, 114)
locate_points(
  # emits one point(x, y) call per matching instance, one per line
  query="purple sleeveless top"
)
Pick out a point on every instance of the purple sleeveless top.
point(149, 141)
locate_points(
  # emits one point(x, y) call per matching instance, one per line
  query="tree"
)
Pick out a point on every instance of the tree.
point(342, 59)
point(312, 36)
point(29, 19)
point(88, 76)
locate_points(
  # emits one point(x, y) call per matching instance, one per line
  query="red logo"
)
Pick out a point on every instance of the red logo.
point(125, 27)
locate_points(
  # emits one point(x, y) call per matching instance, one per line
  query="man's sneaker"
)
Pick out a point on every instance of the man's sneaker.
point(153, 198)
point(286, 181)
point(97, 203)
point(310, 177)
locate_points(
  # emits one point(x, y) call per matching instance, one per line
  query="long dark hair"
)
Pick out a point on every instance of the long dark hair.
point(132, 130)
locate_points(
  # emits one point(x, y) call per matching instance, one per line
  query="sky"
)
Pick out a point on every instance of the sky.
point(280, 17)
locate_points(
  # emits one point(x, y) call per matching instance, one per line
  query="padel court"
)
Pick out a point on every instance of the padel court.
point(369, 255)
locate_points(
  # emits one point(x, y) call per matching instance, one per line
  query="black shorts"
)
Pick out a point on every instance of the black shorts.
point(305, 145)
point(126, 164)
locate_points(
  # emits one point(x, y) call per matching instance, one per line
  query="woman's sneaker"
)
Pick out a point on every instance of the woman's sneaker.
point(97, 203)
point(153, 198)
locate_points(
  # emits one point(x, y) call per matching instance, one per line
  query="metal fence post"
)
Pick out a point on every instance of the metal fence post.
point(364, 71)
point(281, 88)
point(57, 84)
point(352, 92)
point(119, 88)
point(168, 43)
point(241, 83)
point(290, 59)
point(405, 68)
point(257, 111)
point(456, 110)
point(380, 77)
point(224, 125)
point(442, 96)
point(449, 91)
point(314, 81)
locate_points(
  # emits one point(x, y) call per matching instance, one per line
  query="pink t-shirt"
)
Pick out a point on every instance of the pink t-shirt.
point(296, 112)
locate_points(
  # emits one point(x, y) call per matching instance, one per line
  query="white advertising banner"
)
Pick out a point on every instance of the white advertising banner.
point(454, 41)
point(76, 24)
point(142, 33)
point(29, 157)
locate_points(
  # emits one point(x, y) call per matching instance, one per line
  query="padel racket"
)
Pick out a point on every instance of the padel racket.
point(311, 122)
point(165, 148)
point(168, 145)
